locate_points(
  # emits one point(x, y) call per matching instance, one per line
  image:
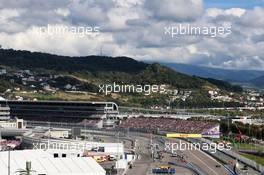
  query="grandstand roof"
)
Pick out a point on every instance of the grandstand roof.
point(44, 163)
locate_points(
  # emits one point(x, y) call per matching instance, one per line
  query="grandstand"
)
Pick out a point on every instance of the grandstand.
point(4, 110)
point(168, 124)
point(60, 111)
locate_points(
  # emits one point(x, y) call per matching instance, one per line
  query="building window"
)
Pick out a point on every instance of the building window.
point(56, 155)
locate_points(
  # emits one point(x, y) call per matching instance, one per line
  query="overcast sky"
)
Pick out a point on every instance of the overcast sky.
point(135, 28)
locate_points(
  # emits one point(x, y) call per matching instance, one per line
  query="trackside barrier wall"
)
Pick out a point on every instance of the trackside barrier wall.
point(239, 157)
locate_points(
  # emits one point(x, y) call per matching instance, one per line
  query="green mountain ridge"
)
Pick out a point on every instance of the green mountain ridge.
point(230, 75)
point(258, 82)
point(101, 67)
point(90, 71)
point(34, 60)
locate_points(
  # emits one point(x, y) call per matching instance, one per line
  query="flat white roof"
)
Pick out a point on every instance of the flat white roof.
point(44, 163)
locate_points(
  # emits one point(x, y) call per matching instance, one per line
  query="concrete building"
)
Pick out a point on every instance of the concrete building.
point(17, 123)
point(3, 71)
point(57, 133)
point(248, 120)
point(4, 110)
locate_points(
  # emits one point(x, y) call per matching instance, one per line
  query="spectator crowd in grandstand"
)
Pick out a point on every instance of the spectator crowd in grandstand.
point(168, 124)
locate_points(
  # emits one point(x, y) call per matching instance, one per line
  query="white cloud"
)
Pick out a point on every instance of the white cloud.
point(176, 10)
point(62, 11)
point(254, 18)
point(214, 12)
point(136, 28)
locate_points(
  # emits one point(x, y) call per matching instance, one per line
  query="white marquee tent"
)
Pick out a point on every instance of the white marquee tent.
point(45, 164)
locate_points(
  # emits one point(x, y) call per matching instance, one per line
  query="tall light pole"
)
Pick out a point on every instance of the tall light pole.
point(118, 139)
point(8, 168)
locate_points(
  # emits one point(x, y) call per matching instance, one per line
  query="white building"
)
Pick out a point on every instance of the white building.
point(3, 71)
point(4, 111)
point(69, 144)
point(248, 120)
point(17, 123)
point(212, 93)
point(57, 133)
point(45, 163)
point(222, 98)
